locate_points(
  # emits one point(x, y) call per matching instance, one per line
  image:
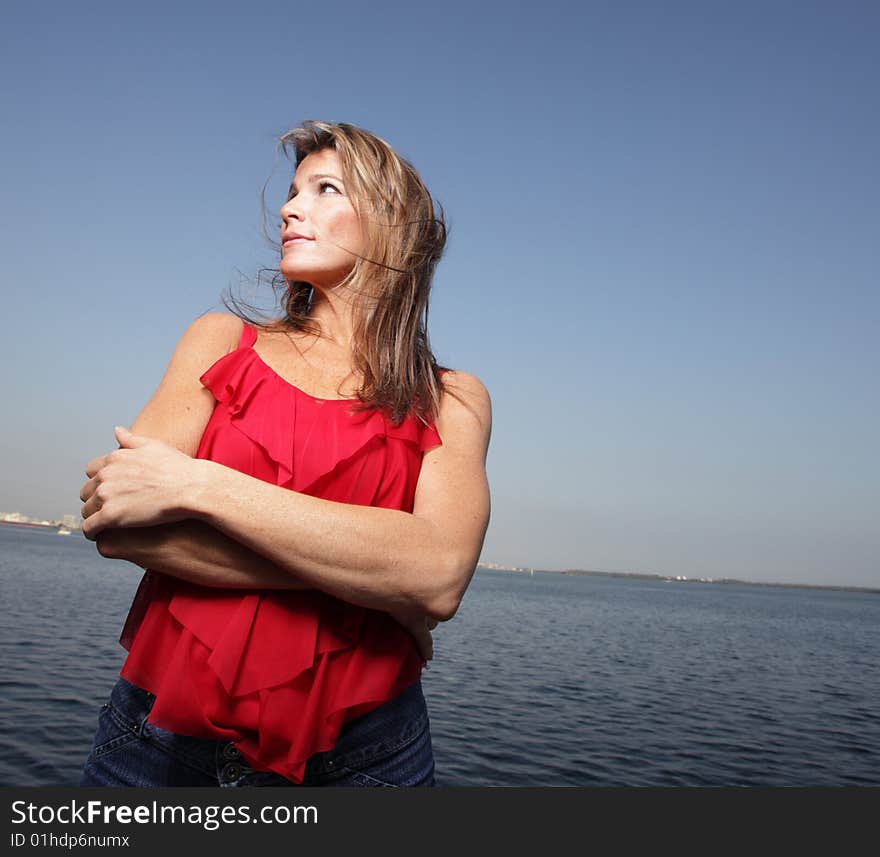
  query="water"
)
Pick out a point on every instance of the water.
point(541, 680)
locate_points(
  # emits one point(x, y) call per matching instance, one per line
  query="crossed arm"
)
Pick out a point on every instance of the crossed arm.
point(150, 502)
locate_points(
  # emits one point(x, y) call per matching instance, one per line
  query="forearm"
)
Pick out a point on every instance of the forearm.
point(383, 559)
point(379, 558)
point(194, 551)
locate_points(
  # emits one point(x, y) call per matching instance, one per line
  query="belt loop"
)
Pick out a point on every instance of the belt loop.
point(140, 727)
point(150, 699)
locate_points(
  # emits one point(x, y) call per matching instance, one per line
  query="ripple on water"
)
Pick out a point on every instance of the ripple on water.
point(544, 680)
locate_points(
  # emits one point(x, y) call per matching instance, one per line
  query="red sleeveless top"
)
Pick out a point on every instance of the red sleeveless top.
point(279, 672)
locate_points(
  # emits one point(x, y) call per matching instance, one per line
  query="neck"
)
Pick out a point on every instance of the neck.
point(333, 313)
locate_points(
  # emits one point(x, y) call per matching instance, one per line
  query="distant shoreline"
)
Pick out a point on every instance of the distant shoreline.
point(579, 572)
point(573, 572)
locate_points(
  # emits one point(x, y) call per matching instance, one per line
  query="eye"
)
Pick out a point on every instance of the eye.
point(327, 184)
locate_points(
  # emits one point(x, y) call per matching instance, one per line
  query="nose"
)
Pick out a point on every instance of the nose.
point(291, 210)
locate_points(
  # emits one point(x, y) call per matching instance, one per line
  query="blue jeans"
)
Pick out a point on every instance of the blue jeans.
point(389, 746)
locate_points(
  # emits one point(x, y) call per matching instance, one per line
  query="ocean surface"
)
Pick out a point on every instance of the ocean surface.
point(540, 680)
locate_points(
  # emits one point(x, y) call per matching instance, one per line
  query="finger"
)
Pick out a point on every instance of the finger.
point(91, 506)
point(426, 644)
point(95, 465)
point(127, 440)
point(88, 489)
point(108, 542)
point(92, 526)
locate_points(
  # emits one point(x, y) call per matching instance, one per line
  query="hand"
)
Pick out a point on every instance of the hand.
point(420, 626)
point(138, 545)
point(141, 484)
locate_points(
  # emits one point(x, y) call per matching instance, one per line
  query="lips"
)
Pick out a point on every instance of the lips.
point(294, 236)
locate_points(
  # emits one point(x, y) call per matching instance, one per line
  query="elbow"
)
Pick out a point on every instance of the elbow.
point(442, 598)
point(442, 609)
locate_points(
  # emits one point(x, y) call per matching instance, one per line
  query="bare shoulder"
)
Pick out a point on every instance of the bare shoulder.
point(216, 328)
point(181, 406)
point(467, 387)
point(210, 337)
point(463, 380)
point(465, 409)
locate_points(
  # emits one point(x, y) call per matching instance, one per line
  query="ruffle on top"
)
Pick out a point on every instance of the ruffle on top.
point(279, 672)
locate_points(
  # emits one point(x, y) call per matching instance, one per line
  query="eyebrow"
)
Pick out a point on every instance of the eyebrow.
point(315, 178)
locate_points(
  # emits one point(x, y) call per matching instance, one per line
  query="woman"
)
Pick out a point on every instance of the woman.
point(309, 499)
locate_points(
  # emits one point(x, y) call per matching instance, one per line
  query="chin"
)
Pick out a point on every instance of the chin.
point(290, 272)
point(301, 273)
point(305, 274)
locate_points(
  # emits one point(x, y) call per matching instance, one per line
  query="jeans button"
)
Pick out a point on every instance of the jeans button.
point(231, 773)
point(230, 751)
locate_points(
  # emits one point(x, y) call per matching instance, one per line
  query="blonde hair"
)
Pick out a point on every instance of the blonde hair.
point(405, 234)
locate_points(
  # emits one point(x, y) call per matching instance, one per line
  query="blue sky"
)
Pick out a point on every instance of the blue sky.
point(663, 253)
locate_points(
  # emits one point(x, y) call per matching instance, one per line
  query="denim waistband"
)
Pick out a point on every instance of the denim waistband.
point(367, 738)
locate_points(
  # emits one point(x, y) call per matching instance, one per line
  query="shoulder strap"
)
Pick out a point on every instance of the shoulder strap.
point(248, 335)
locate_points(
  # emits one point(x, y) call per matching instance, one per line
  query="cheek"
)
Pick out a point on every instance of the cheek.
point(347, 226)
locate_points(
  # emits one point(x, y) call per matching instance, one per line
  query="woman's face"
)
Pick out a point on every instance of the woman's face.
point(320, 211)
